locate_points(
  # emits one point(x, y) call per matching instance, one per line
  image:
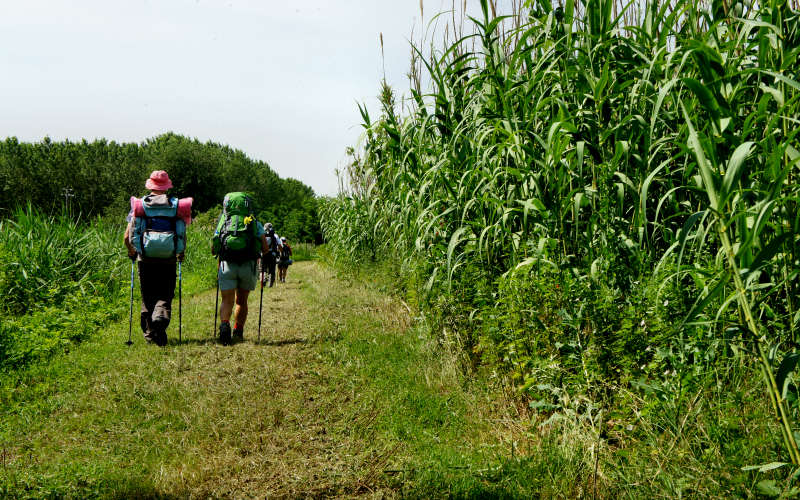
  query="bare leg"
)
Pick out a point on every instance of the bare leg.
point(225, 310)
point(241, 306)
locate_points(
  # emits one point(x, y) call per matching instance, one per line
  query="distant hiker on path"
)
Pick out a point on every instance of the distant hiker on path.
point(271, 256)
point(285, 260)
point(239, 241)
point(156, 238)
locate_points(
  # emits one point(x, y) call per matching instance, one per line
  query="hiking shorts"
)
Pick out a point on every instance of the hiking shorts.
point(233, 275)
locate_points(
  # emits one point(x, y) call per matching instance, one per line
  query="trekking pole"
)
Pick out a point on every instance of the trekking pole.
point(180, 303)
point(260, 303)
point(216, 300)
point(130, 320)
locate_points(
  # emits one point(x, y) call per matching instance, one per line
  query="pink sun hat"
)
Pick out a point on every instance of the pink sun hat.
point(158, 181)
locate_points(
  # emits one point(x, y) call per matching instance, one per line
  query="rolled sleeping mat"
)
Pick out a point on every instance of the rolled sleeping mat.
point(185, 210)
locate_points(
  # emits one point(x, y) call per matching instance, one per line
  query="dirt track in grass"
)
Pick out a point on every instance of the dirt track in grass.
point(340, 397)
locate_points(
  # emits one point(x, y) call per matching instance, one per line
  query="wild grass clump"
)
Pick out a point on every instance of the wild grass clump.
point(61, 279)
point(600, 197)
point(48, 258)
point(303, 251)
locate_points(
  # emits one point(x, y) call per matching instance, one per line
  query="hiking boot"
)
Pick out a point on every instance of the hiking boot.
point(156, 337)
point(225, 333)
point(161, 339)
point(238, 335)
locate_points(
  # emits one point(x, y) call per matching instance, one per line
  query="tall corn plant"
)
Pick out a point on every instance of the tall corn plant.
point(604, 140)
point(745, 156)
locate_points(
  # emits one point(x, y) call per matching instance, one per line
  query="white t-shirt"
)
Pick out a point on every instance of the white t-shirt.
point(278, 239)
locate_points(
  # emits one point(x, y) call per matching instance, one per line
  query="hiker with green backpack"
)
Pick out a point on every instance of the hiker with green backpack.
point(156, 240)
point(238, 242)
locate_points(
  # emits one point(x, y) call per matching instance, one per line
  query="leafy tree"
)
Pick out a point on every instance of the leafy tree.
point(98, 178)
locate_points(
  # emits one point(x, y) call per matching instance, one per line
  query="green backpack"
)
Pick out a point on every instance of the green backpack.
point(235, 239)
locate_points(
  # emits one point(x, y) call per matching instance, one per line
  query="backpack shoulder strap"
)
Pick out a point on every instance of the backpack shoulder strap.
point(174, 202)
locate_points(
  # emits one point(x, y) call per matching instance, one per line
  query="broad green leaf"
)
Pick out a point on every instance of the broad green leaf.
point(734, 170)
point(701, 304)
point(775, 93)
point(765, 467)
point(706, 171)
point(786, 367)
point(768, 487)
point(455, 240)
point(705, 97)
point(768, 252)
point(784, 79)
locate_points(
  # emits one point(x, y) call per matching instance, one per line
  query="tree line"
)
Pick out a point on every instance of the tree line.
point(97, 179)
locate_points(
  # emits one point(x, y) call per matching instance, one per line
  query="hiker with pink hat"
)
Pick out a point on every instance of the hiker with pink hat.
point(156, 240)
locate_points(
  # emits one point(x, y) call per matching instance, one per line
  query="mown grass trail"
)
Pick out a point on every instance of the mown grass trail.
point(342, 397)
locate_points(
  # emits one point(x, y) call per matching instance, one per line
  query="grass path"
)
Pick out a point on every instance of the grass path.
point(342, 397)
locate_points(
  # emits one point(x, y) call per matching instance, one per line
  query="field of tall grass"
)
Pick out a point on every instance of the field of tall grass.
point(60, 280)
point(600, 202)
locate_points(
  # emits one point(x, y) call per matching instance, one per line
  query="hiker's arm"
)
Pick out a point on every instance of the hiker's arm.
point(127, 239)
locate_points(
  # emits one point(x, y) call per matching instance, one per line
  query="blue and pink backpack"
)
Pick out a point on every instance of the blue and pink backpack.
point(160, 231)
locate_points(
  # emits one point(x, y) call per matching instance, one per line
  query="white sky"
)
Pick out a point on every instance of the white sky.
point(276, 79)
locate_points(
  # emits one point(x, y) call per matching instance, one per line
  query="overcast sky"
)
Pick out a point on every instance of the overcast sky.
point(276, 79)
